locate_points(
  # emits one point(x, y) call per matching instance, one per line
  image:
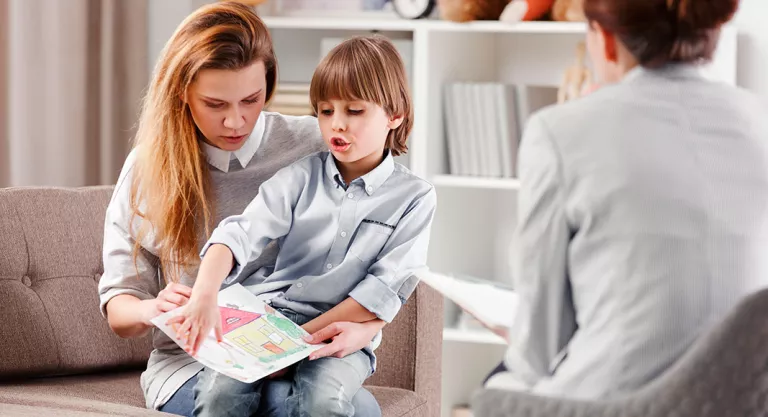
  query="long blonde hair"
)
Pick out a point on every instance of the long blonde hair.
point(171, 180)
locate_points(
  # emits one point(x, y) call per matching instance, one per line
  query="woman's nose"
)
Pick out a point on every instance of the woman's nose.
point(234, 119)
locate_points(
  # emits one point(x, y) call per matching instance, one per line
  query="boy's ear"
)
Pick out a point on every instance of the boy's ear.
point(395, 122)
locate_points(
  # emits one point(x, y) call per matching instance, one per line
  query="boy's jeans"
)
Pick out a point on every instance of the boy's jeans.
point(323, 387)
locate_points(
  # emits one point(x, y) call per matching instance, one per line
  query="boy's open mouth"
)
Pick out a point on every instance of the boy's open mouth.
point(339, 144)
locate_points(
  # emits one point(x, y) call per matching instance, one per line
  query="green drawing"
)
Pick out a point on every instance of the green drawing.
point(285, 325)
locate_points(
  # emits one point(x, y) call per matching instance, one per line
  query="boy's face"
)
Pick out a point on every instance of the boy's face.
point(355, 131)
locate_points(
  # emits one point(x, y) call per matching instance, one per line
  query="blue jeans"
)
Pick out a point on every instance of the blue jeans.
point(274, 393)
point(325, 386)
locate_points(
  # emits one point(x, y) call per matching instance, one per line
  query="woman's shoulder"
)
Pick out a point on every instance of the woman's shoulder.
point(122, 186)
point(277, 124)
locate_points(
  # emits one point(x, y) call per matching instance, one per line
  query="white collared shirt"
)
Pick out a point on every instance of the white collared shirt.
point(220, 158)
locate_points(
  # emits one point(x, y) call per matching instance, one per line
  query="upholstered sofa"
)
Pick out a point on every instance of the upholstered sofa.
point(59, 357)
point(724, 373)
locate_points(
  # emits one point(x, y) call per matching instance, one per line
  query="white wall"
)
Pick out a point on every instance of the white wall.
point(164, 16)
point(751, 20)
point(752, 23)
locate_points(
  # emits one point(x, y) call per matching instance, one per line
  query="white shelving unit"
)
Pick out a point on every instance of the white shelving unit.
point(475, 216)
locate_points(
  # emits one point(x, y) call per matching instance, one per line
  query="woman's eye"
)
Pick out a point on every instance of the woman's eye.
point(214, 105)
point(251, 101)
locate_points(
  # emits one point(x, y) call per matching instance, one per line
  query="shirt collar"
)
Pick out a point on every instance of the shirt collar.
point(372, 180)
point(671, 70)
point(220, 158)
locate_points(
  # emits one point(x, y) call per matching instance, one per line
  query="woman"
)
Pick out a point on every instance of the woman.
point(203, 147)
point(643, 209)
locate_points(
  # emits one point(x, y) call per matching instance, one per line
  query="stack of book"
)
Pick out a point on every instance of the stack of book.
point(484, 124)
point(291, 99)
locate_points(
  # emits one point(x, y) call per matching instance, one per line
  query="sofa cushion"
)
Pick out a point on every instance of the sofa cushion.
point(396, 401)
point(50, 263)
point(103, 394)
point(115, 387)
point(120, 392)
point(16, 410)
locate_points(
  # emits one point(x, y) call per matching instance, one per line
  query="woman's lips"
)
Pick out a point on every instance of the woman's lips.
point(234, 139)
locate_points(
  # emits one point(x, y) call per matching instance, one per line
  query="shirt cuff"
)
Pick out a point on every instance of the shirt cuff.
point(376, 296)
point(224, 237)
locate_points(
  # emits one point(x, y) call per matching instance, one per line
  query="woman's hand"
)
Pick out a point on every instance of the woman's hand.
point(171, 297)
point(347, 338)
point(197, 319)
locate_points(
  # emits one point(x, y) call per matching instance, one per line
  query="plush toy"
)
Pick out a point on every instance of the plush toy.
point(568, 11)
point(469, 10)
point(524, 10)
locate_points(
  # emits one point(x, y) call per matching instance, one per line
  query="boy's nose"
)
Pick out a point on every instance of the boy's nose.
point(339, 124)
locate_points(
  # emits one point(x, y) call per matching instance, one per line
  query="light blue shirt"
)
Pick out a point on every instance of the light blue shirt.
point(362, 240)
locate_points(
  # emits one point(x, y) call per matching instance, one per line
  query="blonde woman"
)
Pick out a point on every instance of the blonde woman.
point(202, 150)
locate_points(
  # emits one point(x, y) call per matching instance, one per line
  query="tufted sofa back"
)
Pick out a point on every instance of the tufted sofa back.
point(50, 264)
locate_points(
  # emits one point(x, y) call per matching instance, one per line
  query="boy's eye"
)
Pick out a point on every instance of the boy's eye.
point(355, 111)
point(326, 112)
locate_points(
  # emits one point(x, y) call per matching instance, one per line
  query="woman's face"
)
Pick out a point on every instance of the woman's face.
point(225, 104)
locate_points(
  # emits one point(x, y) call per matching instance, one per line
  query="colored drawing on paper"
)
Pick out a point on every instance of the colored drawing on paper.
point(258, 334)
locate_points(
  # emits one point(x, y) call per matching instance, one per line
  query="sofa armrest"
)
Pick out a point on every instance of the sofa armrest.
point(504, 403)
point(410, 355)
point(429, 347)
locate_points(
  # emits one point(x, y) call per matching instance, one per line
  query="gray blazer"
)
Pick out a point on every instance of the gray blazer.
point(643, 218)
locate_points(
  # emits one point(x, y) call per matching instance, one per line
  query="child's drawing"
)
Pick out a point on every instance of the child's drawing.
point(265, 336)
point(257, 339)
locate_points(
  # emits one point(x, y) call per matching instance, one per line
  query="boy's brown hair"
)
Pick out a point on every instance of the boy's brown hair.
point(367, 68)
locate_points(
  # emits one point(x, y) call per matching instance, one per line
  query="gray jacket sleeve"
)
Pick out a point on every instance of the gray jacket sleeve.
point(544, 321)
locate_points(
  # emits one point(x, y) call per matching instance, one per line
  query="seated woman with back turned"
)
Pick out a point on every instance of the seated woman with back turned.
point(643, 209)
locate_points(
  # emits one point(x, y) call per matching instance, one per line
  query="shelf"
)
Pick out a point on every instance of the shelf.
point(394, 24)
point(472, 336)
point(476, 182)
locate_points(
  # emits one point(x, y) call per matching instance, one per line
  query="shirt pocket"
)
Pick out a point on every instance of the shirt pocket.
point(369, 240)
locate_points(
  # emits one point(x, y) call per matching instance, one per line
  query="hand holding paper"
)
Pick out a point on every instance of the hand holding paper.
point(255, 340)
point(494, 307)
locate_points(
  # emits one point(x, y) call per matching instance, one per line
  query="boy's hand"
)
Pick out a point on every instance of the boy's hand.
point(347, 338)
point(199, 316)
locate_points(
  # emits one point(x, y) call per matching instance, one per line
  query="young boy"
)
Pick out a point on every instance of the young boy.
point(352, 226)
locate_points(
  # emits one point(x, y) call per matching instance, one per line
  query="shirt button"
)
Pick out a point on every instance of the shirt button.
point(329, 266)
point(370, 189)
point(299, 285)
point(343, 234)
point(350, 195)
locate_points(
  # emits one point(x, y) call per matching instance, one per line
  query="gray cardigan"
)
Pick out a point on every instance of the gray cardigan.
point(283, 140)
point(643, 218)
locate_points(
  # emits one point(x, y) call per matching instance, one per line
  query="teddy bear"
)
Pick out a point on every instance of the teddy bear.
point(469, 10)
point(568, 11)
